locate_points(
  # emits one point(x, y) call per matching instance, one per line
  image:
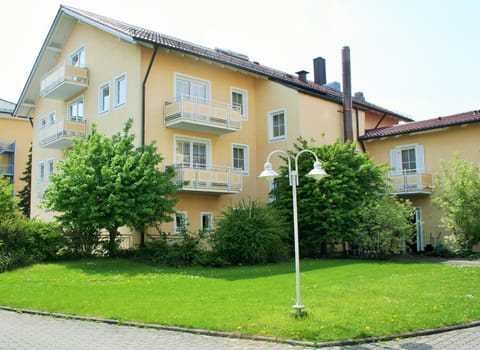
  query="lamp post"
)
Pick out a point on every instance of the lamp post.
point(317, 173)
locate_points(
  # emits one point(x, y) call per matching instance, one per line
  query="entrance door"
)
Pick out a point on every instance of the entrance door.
point(417, 244)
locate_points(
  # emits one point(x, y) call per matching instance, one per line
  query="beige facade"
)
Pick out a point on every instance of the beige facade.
point(415, 152)
point(214, 115)
point(15, 140)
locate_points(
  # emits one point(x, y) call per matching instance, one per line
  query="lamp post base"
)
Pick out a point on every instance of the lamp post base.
point(298, 311)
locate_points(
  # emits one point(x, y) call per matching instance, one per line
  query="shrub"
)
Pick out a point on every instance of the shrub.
point(250, 233)
point(25, 241)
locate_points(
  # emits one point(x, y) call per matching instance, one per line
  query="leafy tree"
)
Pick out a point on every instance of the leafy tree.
point(384, 226)
point(328, 210)
point(457, 194)
point(106, 183)
point(8, 203)
point(24, 194)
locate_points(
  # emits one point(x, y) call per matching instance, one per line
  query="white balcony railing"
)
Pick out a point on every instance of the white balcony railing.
point(63, 81)
point(6, 147)
point(59, 134)
point(7, 169)
point(217, 179)
point(198, 115)
point(411, 183)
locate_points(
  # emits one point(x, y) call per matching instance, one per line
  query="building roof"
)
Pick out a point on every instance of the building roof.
point(423, 125)
point(136, 34)
point(6, 106)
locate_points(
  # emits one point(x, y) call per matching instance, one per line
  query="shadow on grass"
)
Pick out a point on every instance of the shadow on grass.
point(124, 267)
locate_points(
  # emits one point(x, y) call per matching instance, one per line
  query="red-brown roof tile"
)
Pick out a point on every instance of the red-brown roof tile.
point(423, 125)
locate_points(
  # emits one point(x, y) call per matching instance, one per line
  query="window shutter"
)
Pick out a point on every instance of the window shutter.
point(419, 154)
point(393, 160)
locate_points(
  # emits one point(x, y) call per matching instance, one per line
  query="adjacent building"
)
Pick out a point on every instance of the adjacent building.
point(15, 140)
point(215, 114)
point(414, 151)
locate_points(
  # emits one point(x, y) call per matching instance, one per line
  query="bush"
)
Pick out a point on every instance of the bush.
point(81, 241)
point(250, 233)
point(25, 241)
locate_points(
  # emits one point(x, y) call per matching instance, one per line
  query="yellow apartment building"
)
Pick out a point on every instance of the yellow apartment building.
point(214, 114)
point(414, 151)
point(15, 139)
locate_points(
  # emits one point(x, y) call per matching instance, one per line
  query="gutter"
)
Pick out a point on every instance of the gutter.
point(144, 85)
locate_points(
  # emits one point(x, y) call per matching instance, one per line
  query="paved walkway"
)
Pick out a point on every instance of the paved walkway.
point(35, 332)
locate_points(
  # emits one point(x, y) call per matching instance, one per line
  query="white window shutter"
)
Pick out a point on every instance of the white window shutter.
point(393, 160)
point(419, 156)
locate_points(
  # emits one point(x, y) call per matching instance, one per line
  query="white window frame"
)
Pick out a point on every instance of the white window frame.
point(210, 216)
point(244, 106)
point(102, 107)
point(69, 114)
point(271, 115)
point(42, 122)
point(207, 142)
point(177, 229)
point(117, 101)
point(396, 158)
point(194, 80)
point(51, 118)
point(246, 169)
point(81, 52)
point(41, 171)
point(49, 168)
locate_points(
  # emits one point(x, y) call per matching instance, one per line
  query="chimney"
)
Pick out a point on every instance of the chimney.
point(347, 95)
point(302, 75)
point(320, 75)
point(359, 96)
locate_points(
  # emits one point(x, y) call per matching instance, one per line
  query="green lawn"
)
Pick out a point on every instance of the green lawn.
point(344, 298)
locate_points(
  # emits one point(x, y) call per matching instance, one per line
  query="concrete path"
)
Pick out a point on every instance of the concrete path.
point(35, 332)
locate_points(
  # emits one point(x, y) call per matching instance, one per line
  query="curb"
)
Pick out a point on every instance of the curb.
point(205, 332)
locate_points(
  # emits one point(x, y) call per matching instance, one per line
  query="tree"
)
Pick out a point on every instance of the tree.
point(328, 210)
point(384, 226)
point(457, 194)
point(8, 203)
point(25, 192)
point(106, 183)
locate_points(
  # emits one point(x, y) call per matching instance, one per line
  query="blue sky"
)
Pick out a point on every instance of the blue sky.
point(419, 58)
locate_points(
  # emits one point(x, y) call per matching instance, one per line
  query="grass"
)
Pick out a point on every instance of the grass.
point(344, 298)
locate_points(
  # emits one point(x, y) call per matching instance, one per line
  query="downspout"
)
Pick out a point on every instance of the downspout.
point(347, 95)
point(362, 145)
point(155, 49)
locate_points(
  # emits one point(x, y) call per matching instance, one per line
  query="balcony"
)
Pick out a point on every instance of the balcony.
point(411, 183)
point(214, 179)
point(7, 169)
point(197, 115)
point(7, 147)
point(63, 81)
point(59, 135)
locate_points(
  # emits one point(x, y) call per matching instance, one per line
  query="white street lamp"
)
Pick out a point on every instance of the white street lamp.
point(317, 173)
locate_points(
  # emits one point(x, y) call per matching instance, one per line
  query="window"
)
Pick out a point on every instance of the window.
point(192, 153)
point(104, 98)
point(77, 58)
point(41, 171)
point(191, 88)
point(206, 223)
point(49, 168)
point(408, 159)
point(240, 157)
point(75, 110)
point(42, 123)
point(51, 118)
point(180, 222)
point(277, 126)
point(120, 86)
point(273, 184)
point(239, 101)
